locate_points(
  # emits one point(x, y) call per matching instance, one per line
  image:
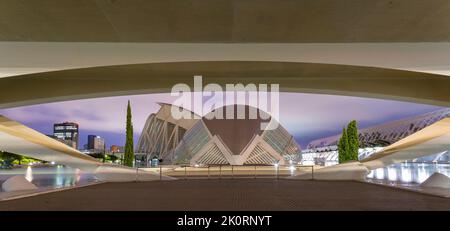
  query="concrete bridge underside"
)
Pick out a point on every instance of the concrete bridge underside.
point(160, 77)
point(228, 21)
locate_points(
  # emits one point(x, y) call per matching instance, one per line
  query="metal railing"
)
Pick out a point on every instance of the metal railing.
point(186, 171)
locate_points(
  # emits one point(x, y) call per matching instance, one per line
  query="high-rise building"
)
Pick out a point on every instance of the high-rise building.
point(96, 143)
point(67, 132)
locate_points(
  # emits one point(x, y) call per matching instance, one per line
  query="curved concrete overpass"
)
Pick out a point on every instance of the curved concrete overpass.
point(159, 43)
point(160, 77)
point(19, 58)
point(53, 35)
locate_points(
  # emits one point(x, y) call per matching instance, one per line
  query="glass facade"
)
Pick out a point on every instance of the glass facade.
point(67, 132)
point(267, 147)
point(198, 136)
point(260, 156)
point(282, 142)
point(192, 142)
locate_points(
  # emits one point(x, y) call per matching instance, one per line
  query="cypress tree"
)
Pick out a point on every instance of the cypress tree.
point(353, 142)
point(129, 146)
point(343, 147)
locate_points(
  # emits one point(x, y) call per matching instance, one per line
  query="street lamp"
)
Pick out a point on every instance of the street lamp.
point(276, 166)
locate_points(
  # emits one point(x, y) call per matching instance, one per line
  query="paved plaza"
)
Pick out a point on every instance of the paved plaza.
point(231, 194)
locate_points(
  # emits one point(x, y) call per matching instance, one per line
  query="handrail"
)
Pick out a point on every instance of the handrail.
point(233, 171)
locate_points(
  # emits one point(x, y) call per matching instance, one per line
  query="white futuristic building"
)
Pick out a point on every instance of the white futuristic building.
point(372, 139)
point(162, 133)
point(387, 133)
point(217, 141)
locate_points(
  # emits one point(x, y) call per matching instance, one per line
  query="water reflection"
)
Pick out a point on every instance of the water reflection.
point(406, 174)
point(78, 174)
point(29, 174)
point(50, 177)
point(392, 174)
point(414, 173)
point(370, 175)
point(379, 173)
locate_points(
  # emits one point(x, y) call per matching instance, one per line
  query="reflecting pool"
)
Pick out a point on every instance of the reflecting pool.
point(50, 177)
point(409, 173)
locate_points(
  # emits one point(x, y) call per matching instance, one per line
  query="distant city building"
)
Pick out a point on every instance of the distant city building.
point(96, 143)
point(116, 149)
point(67, 133)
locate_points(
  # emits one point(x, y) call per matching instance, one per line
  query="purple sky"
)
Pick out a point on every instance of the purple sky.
point(306, 116)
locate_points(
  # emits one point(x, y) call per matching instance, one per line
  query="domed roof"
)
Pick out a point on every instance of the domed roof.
point(236, 133)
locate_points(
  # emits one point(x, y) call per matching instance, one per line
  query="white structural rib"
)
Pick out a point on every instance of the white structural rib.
point(20, 139)
point(257, 152)
point(162, 133)
point(428, 141)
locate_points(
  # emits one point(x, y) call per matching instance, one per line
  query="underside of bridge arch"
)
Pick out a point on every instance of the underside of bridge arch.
point(161, 77)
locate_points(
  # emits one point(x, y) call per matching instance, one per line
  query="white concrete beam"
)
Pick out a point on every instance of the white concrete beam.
point(17, 58)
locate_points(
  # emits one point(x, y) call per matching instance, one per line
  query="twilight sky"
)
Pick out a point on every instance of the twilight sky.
point(306, 116)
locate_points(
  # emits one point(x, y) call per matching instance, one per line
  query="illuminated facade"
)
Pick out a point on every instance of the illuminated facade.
point(372, 139)
point(219, 141)
point(162, 133)
point(387, 133)
point(96, 144)
point(67, 132)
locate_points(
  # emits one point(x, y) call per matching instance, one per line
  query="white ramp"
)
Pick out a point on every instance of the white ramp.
point(20, 139)
point(428, 141)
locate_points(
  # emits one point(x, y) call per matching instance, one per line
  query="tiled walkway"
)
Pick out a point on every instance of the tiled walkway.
point(228, 194)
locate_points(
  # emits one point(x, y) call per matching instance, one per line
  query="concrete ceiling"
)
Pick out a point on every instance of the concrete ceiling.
point(161, 77)
point(252, 41)
point(236, 21)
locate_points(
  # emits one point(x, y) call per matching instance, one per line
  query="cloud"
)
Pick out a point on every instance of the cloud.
point(101, 114)
point(307, 116)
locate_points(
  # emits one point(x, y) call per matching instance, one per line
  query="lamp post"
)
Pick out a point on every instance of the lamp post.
point(135, 165)
point(277, 167)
